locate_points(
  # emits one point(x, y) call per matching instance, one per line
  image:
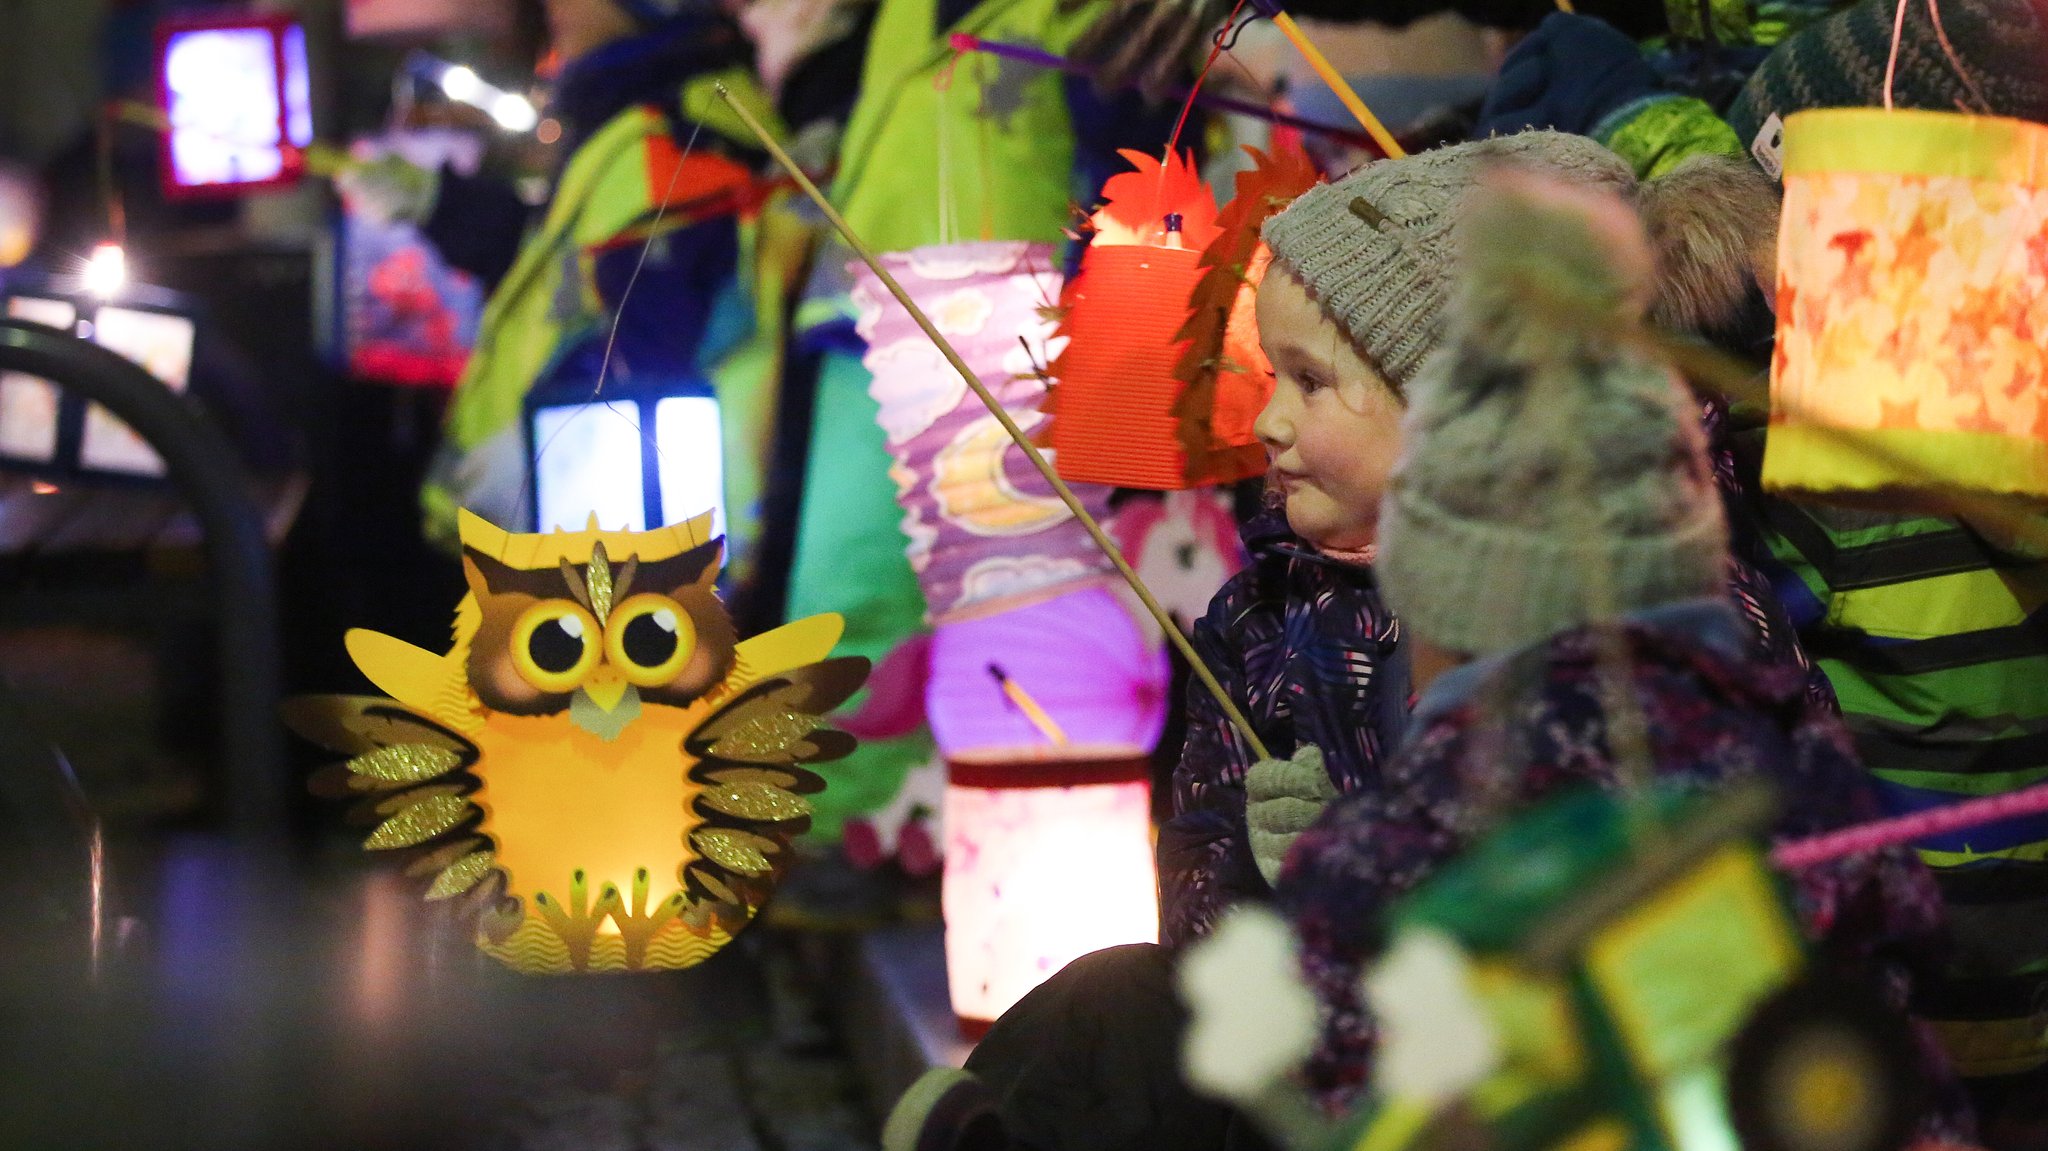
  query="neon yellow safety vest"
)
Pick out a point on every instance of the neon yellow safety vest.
point(971, 144)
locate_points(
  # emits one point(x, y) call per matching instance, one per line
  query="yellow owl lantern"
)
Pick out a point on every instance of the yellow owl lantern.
point(599, 765)
point(1912, 307)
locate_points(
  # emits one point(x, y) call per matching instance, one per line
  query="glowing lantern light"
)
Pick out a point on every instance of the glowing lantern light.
point(106, 271)
point(1912, 299)
point(645, 456)
point(1048, 857)
point(237, 91)
point(513, 112)
point(461, 83)
point(1115, 409)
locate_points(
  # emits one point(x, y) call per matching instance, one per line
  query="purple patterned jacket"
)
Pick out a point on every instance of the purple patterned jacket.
point(1714, 714)
point(1305, 648)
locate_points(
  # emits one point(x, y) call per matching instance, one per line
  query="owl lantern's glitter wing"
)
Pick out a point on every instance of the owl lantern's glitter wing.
point(411, 778)
point(750, 756)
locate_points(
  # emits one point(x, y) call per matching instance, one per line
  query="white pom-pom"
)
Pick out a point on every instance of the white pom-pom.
point(1436, 1039)
point(1253, 1020)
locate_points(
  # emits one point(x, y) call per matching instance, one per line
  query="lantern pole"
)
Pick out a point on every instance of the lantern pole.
point(1059, 486)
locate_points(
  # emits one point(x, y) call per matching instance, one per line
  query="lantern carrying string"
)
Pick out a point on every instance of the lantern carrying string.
point(604, 366)
point(1891, 63)
point(1016, 434)
point(1225, 36)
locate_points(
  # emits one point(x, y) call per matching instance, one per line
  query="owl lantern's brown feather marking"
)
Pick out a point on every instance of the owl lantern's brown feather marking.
point(472, 776)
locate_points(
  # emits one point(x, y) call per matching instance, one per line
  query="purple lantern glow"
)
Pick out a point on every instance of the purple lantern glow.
point(1082, 656)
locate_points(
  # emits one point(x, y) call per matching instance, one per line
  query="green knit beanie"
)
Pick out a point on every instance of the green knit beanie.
point(2000, 54)
point(1548, 476)
point(1374, 248)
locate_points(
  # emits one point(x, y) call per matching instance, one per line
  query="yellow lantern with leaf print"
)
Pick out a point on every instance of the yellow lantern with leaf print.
point(1912, 301)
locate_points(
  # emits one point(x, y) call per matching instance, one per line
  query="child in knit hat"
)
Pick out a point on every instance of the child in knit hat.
point(1351, 309)
point(1552, 526)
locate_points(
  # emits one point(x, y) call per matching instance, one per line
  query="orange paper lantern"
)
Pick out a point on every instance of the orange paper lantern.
point(1114, 418)
point(1912, 308)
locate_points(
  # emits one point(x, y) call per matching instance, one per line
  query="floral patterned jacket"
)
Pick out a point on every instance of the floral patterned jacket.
point(1714, 714)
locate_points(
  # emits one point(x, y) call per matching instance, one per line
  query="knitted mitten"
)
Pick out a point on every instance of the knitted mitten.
point(1282, 797)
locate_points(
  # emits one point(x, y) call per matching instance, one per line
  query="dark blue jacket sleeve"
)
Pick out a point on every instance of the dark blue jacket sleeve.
point(1205, 859)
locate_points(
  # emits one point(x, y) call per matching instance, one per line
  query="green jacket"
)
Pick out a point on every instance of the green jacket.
point(1937, 645)
point(946, 145)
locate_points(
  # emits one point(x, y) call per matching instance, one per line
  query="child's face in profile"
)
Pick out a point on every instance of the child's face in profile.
point(1333, 427)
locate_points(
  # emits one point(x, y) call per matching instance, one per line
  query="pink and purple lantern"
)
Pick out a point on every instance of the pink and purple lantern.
point(1046, 692)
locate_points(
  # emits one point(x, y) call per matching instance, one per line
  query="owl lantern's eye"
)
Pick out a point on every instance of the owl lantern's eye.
point(554, 645)
point(649, 638)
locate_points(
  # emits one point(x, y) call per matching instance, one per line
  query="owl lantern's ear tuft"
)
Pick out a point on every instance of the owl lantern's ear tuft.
point(489, 577)
point(698, 566)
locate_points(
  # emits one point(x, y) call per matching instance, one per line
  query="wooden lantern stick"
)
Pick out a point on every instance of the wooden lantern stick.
point(1016, 433)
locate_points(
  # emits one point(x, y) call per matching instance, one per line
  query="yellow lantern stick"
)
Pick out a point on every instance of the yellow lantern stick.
point(1059, 486)
point(1330, 76)
point(1015, 693)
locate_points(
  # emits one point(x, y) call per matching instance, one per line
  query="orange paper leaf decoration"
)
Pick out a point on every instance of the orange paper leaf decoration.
point(1135, 204)
point(1227, 376)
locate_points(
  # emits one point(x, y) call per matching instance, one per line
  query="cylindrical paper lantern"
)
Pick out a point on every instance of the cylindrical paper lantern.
point(1114, 414)
point(1048, 848)
point(986, 531)
point(1080, 656)
point(1048, 857)
point(1912, 353)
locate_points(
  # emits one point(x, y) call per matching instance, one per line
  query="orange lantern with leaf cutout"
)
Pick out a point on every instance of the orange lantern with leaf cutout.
point(1114, 408)
point(1912, 351)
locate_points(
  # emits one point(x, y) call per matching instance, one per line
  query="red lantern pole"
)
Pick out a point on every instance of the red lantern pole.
point(1059, 486)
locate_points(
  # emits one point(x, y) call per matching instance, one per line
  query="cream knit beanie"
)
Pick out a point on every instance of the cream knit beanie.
point(1374, 248)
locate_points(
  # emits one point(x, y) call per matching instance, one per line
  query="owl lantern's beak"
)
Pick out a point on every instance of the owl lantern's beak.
point(606, 704)
point(606, 687)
